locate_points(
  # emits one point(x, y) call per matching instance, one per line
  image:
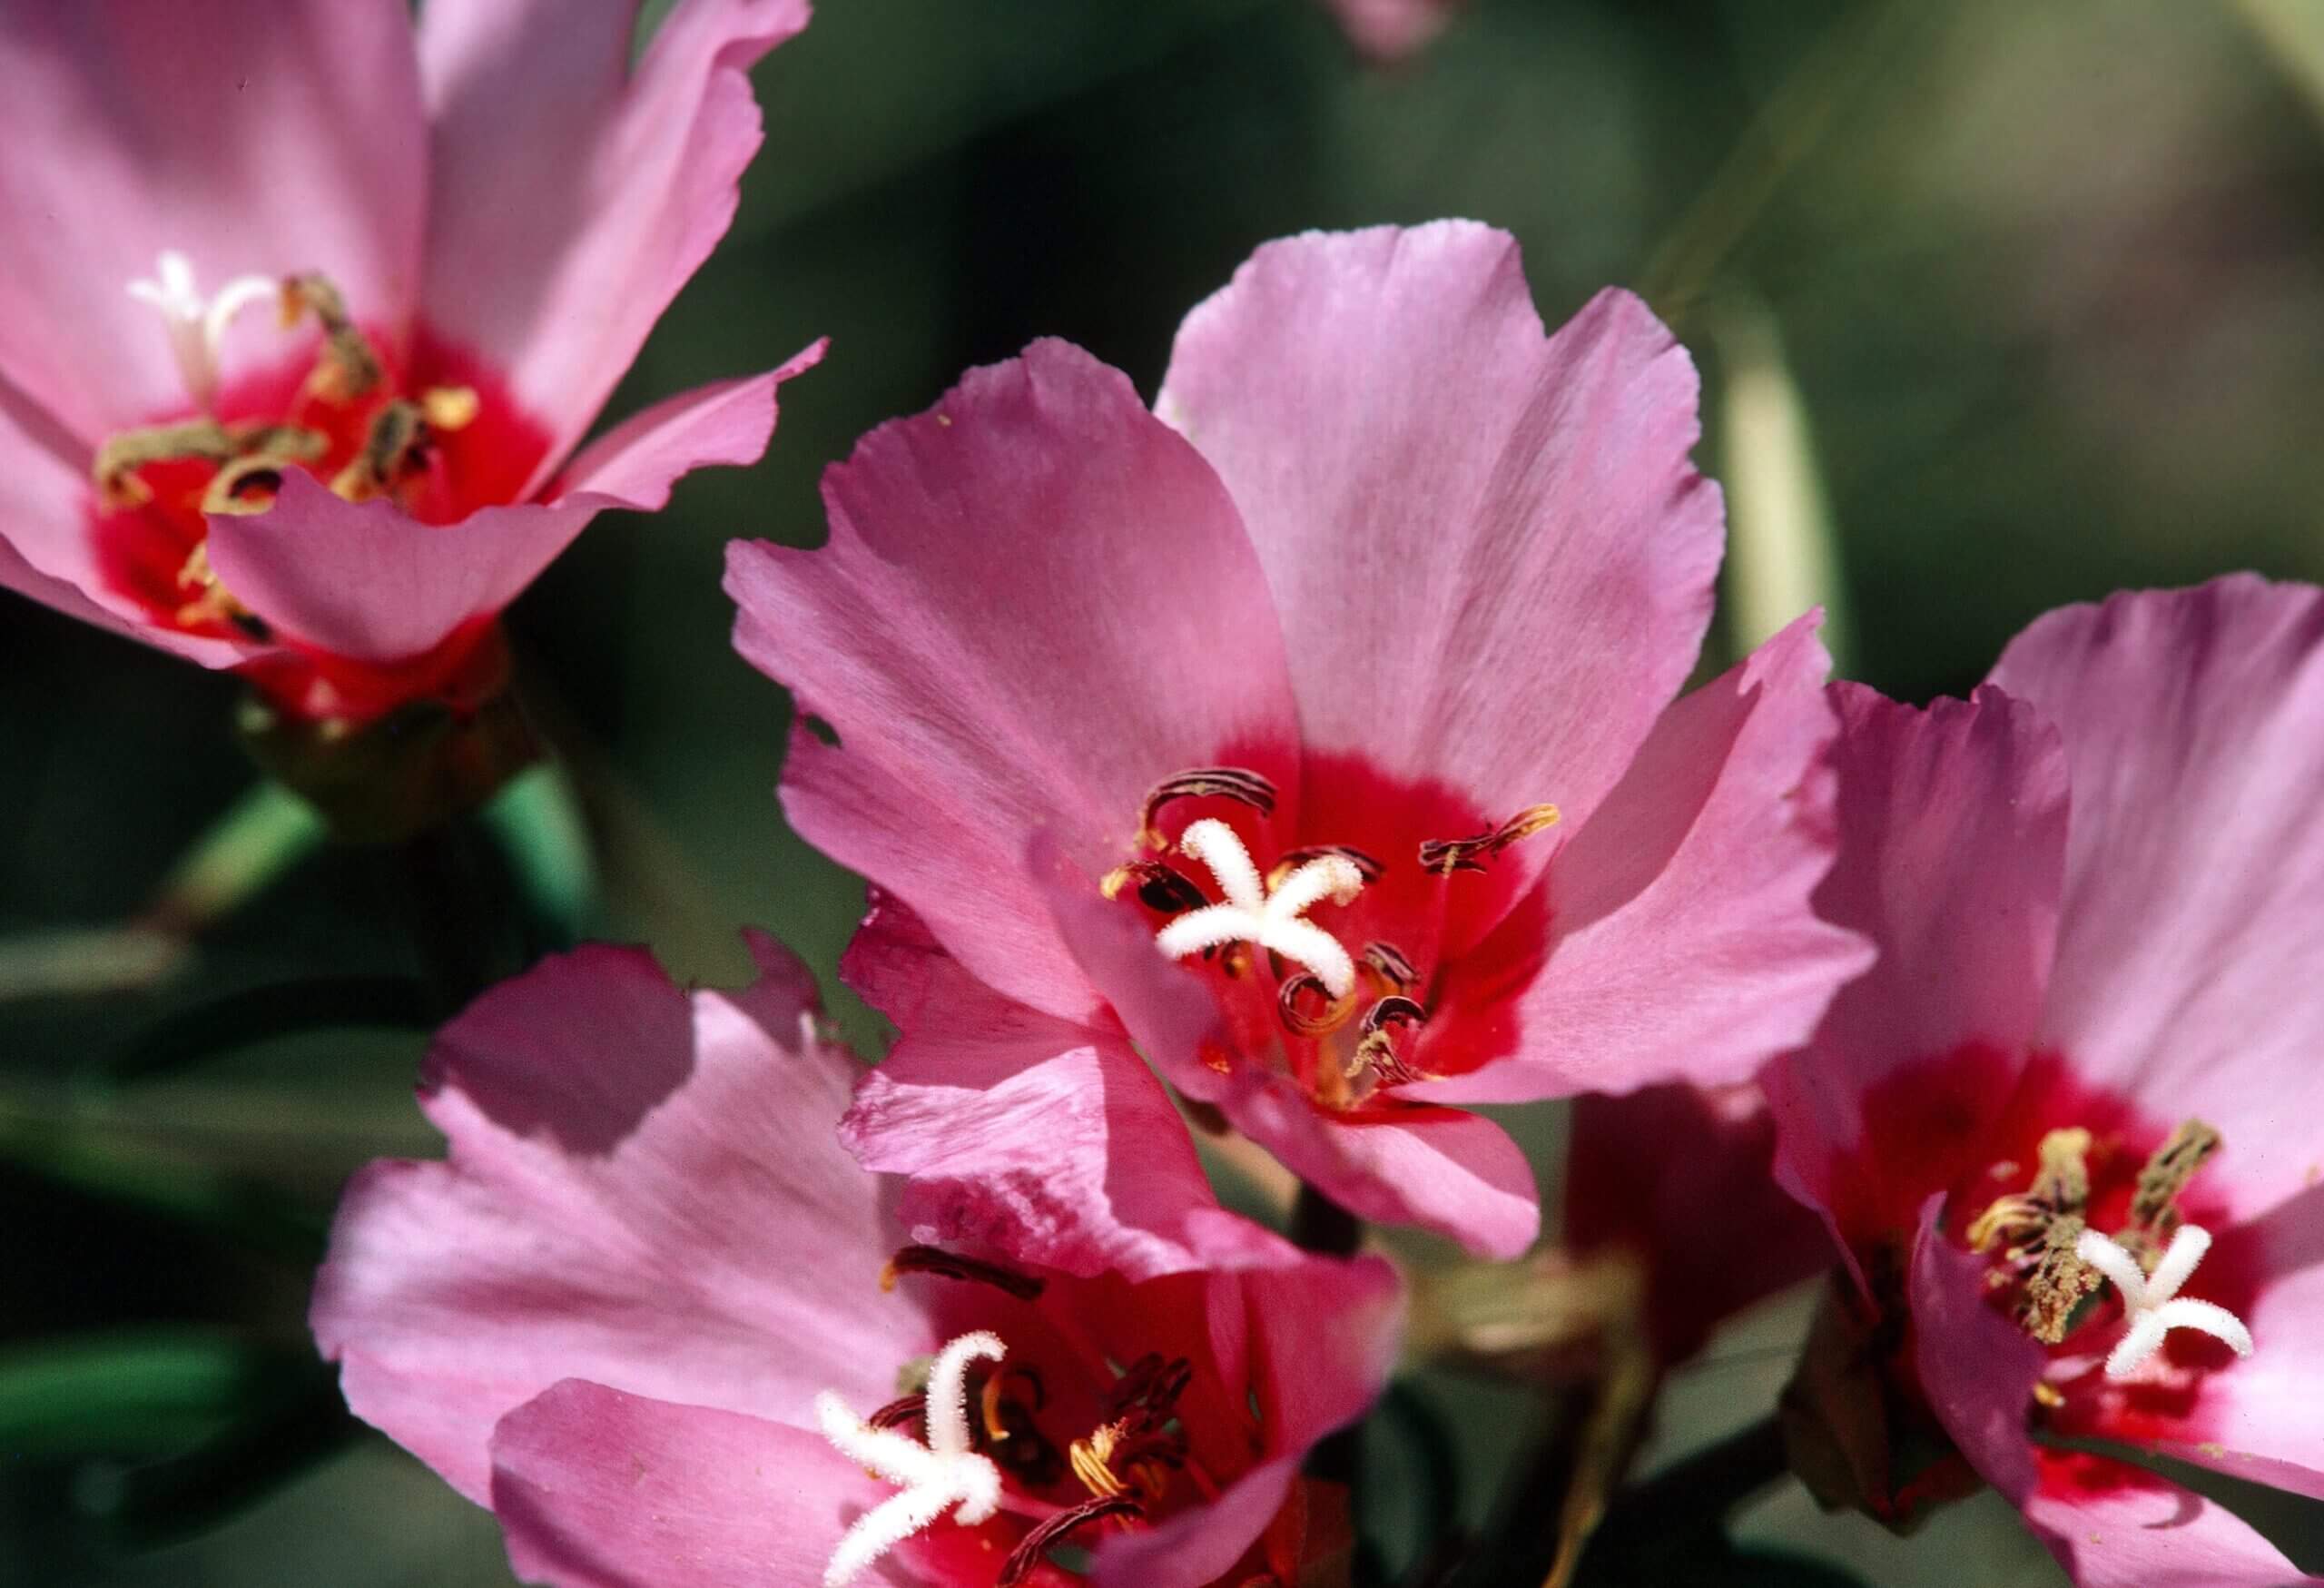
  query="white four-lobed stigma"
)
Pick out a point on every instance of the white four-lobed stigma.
point(933, 1477)
point(197, 324)
point(2152, 1304)
point(1252, 915)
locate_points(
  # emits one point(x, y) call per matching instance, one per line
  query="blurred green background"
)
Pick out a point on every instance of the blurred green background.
point(2026, 303)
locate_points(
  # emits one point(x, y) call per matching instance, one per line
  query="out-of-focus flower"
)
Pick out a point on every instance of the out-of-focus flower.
point(1318, 734)
point(655, 1317)
point(1388, 30)
point(2086, 1058)
point(1682, 1178)
point(303, 310)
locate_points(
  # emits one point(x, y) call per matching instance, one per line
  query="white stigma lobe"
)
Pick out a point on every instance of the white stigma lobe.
point(1252, 915)
point(197, 325)
point(2152, 1304)
point(941, 1474)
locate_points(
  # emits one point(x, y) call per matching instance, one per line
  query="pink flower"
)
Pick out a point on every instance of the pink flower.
point(2087, 1054)
point(1680, 1177)
point(1317, 734)
point(1388, 30)
point(641, 1312)
point(302, 313)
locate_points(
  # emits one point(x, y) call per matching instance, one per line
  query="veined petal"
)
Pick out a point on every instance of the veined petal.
point(573, 196)
point(2193, 920)
point(264, 140)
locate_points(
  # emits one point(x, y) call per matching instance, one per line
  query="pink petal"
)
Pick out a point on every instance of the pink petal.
point(645, 1188)
point(2194, 906)
point(1036, 603)
point(1952, 841)
point(2262, 1418)
point(1455, 1173)
point(1684, 944)
point(1023, 1134)
point(253, 139)
point(1326, 1336)
point(1388, 30)
point(1491, 556)
point(362, 579)
point(599, 1489)
point(2114, 1525)
point(1681, 1176)
point(573, 197)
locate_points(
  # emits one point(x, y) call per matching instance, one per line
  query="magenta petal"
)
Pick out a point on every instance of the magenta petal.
point(599, 1489)
point(363, 579)
point(1197, 1548)
point(1491, 556)
point(1977, 1367)
point(1683, 945)
point(1953, 826)
point(2193, 931)
point(645, 1188)
point(1389, 31)
point(1022, 1134)
point(573, 195)
point(264, 140)
point(2114, 1526)
point(1037, 602)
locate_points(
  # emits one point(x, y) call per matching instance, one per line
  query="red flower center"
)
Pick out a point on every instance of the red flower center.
point(420, 423)
point(1365, 939)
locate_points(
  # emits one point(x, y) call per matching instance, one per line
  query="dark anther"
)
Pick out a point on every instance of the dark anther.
point(1037, 1543)
point(1231, 782)
point(1006, 1431)
point(1159, 887)
point(395, 447)
point(348, 368)
point(1447, 855)
point(1151, 1385)
point(247, 485)
point(1389, 962)
point(1394, 1010)
point(2166, 1174)
point(928, 1259)
point(1292, 860)
point(901, 1410)
point(1290, 1001)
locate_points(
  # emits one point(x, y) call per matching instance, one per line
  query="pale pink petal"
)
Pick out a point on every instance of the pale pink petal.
point(253, 139)
point(1388, 30)
point(1491, 556)
point(645, 1188)
point(1025, 1135)
point(2193, 926)
point(365, 580)
point(1952, 843)
point(1037, 602)
point(2262, 1418)
point(1683, 945)
point(1682, 1178)
point(599, 1489)
point(1455, 1173)
point(573, 195)
point(2114, 1525)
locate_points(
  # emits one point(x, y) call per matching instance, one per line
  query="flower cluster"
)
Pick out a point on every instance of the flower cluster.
point(1301, 759)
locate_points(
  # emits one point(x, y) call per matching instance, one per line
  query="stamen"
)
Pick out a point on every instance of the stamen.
point(2059, 1282)
point(1447, 855)
point(121, 455)
point(1292, 860)
point(1158, 887)
point(394, 448)
point(2166, 1174)
point(946, 1473)
point(2152, 1303)
point(1377, 1050)
point(1288, 1006)
point(1270, 920)
point(197, 326)
point(1231, 782)
point(930, 1260)
point(1389, 963)
point(348, 368)
point(1037, 1543)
